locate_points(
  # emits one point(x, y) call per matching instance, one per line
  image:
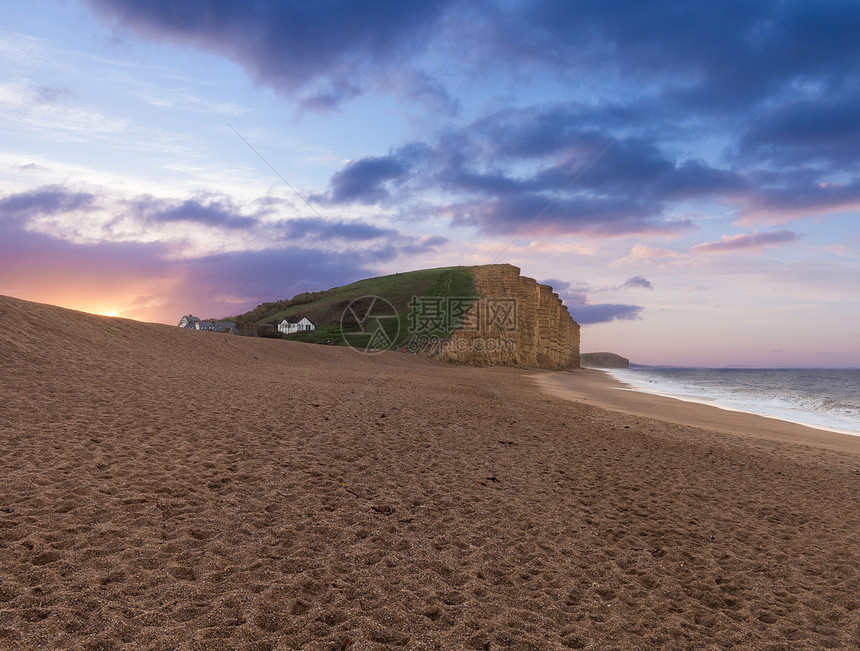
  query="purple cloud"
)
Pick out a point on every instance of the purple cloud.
point(338, 44)
point(824, 131)
point(362, 180)
point(543, 215)
point(352, 231)
point(637, 281)
point(209, 211)
point(586, 313)
point(729, 55)
point(167, 288)
point(598, 186)
point(604, 313)
point(46, 200)
point(787, 72)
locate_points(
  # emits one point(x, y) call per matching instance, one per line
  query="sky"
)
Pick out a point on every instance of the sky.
point(685, 175)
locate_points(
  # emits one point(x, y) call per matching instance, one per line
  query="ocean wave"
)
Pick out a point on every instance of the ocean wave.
point(824, 399)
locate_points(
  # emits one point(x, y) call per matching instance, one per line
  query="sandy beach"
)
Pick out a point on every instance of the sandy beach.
point(169, 489)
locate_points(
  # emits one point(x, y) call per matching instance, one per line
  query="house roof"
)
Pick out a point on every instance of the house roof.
point(218, 326)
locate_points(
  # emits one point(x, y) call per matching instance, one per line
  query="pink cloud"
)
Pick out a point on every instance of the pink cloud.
point(642, 253)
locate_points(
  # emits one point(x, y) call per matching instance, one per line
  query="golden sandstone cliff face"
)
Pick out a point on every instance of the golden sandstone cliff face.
point(517, 322)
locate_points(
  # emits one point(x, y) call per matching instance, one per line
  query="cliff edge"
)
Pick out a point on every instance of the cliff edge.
point(516, 322)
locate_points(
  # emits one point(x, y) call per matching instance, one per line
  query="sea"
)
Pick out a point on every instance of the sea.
point(822, 398)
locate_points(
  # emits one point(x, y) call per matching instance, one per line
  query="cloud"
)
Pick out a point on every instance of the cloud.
point(144, 281)
point(207, 211)
point(362, 180)
point(637, 281)
point(352, 231)
point(51, 94)
point(783, 196)
point(585, 313)
point(743, 241)
point(368, 180)
point(581, 181)
point(266, 258)
point(812, 131)
point(49, 112)
point(46, 200)
point(40, 265)
point(270, 273)
point(541, 215)
point(713, 58)
point(332, 49)
point(371, 242)
point(604, 313)
point(642, 253)
point(677, 77)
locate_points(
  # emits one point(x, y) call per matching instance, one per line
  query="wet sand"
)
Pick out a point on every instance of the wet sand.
point(597, 387)
point(166, 489)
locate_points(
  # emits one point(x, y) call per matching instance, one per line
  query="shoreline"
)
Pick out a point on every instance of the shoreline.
point(599, 388)
point(713, 402)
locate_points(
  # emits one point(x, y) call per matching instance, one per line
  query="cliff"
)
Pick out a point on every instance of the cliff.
point(516, 322)
point(603, 360)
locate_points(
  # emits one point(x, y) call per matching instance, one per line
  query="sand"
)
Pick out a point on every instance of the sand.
point(167, 489)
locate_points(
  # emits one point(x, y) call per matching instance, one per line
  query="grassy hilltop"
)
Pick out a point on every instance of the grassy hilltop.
point(326, 309)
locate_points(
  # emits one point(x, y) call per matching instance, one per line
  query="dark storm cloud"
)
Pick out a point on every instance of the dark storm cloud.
point(775, 83)
point(290, 45)
point(807, 131)
point(590, 157)
point(711, 56)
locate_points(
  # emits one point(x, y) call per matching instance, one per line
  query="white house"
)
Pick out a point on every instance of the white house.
point(190, 322)
point(295, 324)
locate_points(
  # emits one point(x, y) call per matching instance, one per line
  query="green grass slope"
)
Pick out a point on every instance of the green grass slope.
point(327, 309)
